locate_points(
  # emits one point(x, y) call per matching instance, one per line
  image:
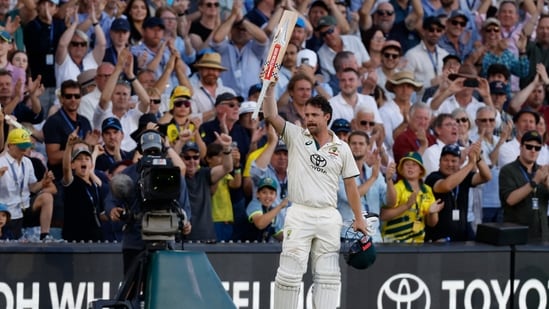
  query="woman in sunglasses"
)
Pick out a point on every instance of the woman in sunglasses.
point(494, 49)
point(73, 53)
point(464, 126)
point(177, 123)
point(201, 29)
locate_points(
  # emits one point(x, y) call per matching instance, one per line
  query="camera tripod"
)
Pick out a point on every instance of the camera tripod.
point(131, 292)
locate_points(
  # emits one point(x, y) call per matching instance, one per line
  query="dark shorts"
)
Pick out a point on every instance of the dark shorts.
point(30, 217)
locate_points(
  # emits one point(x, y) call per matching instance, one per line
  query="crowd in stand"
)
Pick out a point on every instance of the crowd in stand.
point(442, 102)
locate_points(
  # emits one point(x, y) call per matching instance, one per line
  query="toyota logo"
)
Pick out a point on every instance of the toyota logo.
point(405, 291)
point(318, 160)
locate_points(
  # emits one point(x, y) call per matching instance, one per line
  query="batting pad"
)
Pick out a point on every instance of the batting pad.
point(181, 279)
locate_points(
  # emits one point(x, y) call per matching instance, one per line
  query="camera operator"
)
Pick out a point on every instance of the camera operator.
point(124, 202)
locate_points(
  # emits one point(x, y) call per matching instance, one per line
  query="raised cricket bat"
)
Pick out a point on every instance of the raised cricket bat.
point(269, 73)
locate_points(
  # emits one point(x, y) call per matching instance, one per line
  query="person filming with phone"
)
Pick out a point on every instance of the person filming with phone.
point(457, 91)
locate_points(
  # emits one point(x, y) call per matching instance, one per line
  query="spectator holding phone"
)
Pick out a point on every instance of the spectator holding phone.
point(459, 93)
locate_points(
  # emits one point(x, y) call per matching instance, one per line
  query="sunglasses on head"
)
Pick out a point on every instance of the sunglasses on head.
point(461, 23)
point(69, 96)
point(485, 120)
point(391, 56)
point(212, 4)
point(385, 13)
point(155, 101)
point(188, 158)
point(492, 29)
point(329, 31)
point(462, 120)
point(81, 44)
point(366, 122)
point(530, 147)
point(180, 103)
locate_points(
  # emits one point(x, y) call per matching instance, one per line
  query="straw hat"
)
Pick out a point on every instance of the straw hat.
point(403, 77)
point(211, 61)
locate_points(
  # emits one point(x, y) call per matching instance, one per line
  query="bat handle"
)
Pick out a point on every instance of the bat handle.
point(261, 98)
point(9, 119)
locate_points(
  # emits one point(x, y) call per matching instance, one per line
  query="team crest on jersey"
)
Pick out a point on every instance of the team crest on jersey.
point(308, 143)
point(288, 233)
point(333, 151)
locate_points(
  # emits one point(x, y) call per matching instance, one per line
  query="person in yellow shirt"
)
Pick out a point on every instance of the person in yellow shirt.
point(222, 207)
point(414, 206)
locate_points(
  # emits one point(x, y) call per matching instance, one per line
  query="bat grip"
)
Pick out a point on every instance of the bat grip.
point(261, 99)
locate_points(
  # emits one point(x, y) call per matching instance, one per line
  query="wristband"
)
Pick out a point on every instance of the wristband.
point(95, 24)
point(533, 184)
point(237, 171)
point(227, 152)
point(131, 80)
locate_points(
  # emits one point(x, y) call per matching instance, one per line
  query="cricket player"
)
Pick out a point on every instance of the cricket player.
point(317, 158)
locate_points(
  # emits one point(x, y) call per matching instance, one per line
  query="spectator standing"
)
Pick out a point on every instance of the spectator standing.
point(414, 204)
point(41, 37)
point(82, 193)
point(349, 99)
point(455, 40)
point(209, 85)
point(425, 59)
point(73, 55)
point(334, 42)
point(391, 60)
point(137, 11)
point(525, 120)
point(445, 128)
point(490, 145)
point(416, 137)
point(60, 125)
point(199, 181)
point(394, 113)
point(112, 135)
point(452, 184)
point(300, 90)
point(119, 39)
point(201, 30)
point(89, 102)
point(222, 207)
point(243, 52)
point(115, 100)
point(372, 186)
point(523, 189)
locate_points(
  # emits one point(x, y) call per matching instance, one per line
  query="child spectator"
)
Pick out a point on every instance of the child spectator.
point(4, 218)
point(222, 207)
point(82, 194)
point(267, 217)
point(415, 203)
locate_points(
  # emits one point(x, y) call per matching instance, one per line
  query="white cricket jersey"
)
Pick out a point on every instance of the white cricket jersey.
point(313, 174)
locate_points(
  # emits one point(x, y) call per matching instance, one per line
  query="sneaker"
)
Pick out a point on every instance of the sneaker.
point(51, 239)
